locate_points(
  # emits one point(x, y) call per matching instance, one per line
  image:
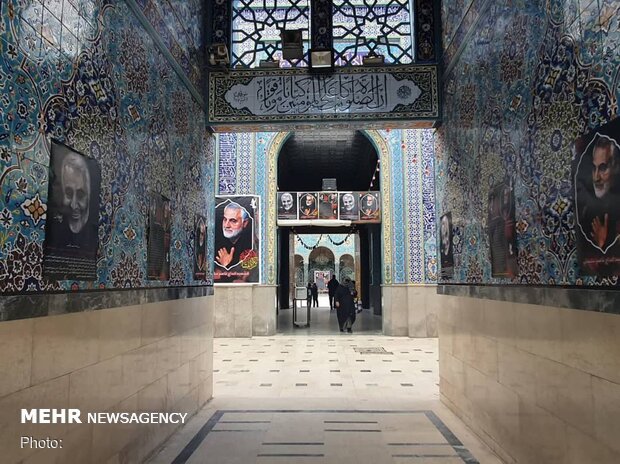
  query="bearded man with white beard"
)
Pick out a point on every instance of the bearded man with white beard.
point(599, 217)
point(286, 206)
point(597, 202)
point(236, 236)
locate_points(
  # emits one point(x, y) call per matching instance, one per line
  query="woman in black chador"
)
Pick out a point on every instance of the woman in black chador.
point(345, 307)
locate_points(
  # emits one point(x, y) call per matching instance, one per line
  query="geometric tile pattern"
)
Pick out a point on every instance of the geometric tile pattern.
point(394, 141)
point(256, 27)
point(420, 211)
point(522, 83)
point(428, 205)
point(227, 163)
point(246, 166)
point(363, 26)
point(95, 79)
point(414, 213)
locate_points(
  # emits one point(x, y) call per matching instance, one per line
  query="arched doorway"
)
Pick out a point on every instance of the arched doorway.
point(321, 266)
point(299, 272)
point(346, 267)
point(322, 160)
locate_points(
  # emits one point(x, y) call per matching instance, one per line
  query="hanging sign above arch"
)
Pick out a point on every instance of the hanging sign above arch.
point(257, 99)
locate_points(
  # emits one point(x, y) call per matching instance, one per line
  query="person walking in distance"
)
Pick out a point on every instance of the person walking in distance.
point(345, 307)
point(332, 286)
point(309, 295)
point(315, 294)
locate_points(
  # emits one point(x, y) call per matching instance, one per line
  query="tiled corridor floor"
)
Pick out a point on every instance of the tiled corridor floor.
point(363, 399)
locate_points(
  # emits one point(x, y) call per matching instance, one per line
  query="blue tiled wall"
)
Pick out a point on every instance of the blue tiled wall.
point(242, 170)
point(180, 25)
point(523, 80)
point(88, 73)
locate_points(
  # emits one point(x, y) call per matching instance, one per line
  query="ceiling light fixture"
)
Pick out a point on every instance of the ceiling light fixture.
point(292, 44)
point(321, 59)
point(218, 55)
point(373, 59)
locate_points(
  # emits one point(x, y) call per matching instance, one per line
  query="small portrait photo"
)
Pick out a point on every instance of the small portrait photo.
point(502, 230)
point(71, 231)
point(348, 206)
point(370, 210)
point(596, 178)
point(308, 205)
point(445, 246)
point(200, 248)
point(328, 205)
point(158, 236)
point(287, 205)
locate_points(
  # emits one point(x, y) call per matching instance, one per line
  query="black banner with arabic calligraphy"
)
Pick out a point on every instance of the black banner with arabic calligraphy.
point(363, 94)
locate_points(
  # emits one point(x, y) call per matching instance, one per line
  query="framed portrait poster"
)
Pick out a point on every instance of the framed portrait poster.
point(72, 227)
point(596, 191)
point(237, 239)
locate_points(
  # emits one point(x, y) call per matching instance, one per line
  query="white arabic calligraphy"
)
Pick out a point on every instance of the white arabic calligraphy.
point(341, 93)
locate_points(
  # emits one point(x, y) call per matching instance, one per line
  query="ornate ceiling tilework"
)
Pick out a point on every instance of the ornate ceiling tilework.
point(321, 23)
point(425, 30)
point(459, 18)
point(221, 21)
point(452, 14)
point(527, 83)
point(179, 27)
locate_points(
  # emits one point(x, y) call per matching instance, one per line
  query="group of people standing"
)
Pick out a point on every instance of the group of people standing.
point(341, 297)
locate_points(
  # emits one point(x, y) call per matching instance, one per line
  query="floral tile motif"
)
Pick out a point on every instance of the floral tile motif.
point(113, 96)
point(526, 83)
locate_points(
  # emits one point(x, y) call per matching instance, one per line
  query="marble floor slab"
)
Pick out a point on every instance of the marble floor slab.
point(325, 399)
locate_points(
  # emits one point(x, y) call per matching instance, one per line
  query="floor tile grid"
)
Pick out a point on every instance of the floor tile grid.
point(325, 366)
point(237, 385)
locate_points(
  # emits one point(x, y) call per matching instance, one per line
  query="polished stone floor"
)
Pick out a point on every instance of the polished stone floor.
point(324, 322)
point(338, 398)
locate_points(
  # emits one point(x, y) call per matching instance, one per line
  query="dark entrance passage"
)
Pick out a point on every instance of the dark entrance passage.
point(364, 266)
point(305, 160)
